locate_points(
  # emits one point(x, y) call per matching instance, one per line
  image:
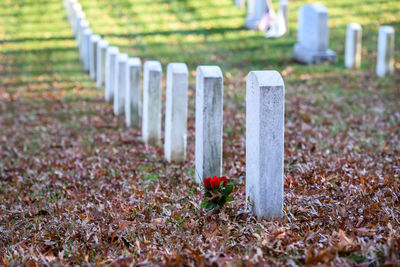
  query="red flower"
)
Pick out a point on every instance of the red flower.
point(207, 183)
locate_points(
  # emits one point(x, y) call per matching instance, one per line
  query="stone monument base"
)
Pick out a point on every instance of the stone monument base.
point(308, 56)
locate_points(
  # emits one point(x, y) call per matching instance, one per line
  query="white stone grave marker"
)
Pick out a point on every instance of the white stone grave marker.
point(111, 62)
point(385, 61)
point(87, 34)
point(313, 35)
point(133, 94)
point(209, 114)
point(94, 42)
point(353, 46)
point(121, 75)
point(151, 121)
point(265, 92)
point(176, 112)
point(101, 63)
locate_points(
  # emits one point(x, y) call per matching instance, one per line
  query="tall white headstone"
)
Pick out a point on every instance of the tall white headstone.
point(82, 27)
point(76, 9)
point(209, 114)
point(385, 64)
point(94, 42)
point(87, 34)
point(176, 112)
point(255, 11)
point(151, 121)
point(78, 18)
point(352, 58)
point(313, 35)
point(120, 83)
point(111, 62)
point(265, 94)
point(101, 63)
point(133, 94)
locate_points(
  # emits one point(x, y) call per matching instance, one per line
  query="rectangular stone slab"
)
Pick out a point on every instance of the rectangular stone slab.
point(87, 34)
point(101, 63)
point(111, 62)
point(352, 53)
point(133, 94)
point(82, 27)
point(94, 41)
point(121, 74)
point(385, 58)
point(151, 120)
point(265, 92)
point(176, 112)
point(209, 124)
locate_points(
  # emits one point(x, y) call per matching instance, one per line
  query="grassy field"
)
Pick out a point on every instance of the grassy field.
point(77, 187)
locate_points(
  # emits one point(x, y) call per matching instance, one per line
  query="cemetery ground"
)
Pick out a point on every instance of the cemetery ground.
point(77, 186)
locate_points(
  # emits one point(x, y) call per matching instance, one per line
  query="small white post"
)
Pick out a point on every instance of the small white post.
point(120, 83)
point(133, 97)
point(151, 121)
point(94, 42)
point(265, 96)
point(101, 63)
point(86, 47)
point(385, 61)
point(176, 112)
point(209, 114)
point(111, 62)
point(353, 46)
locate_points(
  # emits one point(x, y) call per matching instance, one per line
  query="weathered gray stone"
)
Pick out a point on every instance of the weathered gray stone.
point(265, 92)
point(82, 27)
point(101, 63)
point(209, 114)
point(87, 34)
point(352, 58)
point(111, 62)
point(121, 74)
point(151, 121)
point(94, 42)
point(133, 97)
point(385, 61)
point(313, 35)
point(176, 112)
point(255, 11)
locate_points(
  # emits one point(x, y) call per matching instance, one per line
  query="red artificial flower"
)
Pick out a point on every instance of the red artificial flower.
point(215, 182)
point(207, 183)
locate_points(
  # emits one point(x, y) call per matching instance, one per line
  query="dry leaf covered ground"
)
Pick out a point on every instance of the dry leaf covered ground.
point(77, 187)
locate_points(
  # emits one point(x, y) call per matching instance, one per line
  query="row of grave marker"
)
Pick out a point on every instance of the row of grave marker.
point(313, 37)
point(121, 75)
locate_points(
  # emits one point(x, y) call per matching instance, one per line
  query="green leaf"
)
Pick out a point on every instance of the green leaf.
point(229, 199)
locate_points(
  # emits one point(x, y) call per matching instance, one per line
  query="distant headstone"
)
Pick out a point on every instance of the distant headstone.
point(133, 94)
point(111, 62)
point(209, 114)
point(385, 59)
point(94, 42)
point(76, 8)
point(255, 11)
point(151, 123)
point(82, 27)
point(121, 75)
point(176, 112)
point(87, 34)
point(313, 35)
point(101, 63)
point(239, 3)
point(78, 18)
point(353, 46)
point(265, 92)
